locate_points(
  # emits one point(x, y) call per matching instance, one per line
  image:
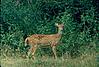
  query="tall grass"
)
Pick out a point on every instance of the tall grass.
point(82, 61)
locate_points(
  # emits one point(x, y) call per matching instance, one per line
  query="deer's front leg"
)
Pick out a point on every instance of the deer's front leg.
point(54, 51)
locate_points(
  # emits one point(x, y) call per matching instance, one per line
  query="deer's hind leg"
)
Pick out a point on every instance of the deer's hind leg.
point(32, 51)
point(34, 48)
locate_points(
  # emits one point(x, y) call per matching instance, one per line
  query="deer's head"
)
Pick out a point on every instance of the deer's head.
point(60, 26)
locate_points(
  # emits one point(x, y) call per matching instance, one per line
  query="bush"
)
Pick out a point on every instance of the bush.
point(20, 18)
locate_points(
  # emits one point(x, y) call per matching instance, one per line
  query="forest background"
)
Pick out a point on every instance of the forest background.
point(22, 18)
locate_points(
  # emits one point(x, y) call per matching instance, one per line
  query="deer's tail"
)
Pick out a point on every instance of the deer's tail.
point(26, 41)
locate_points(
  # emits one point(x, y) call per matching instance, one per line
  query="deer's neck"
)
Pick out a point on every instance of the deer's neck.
point(59, 31)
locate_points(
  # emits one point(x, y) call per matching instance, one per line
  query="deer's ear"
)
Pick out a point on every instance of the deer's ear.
point(56, 24)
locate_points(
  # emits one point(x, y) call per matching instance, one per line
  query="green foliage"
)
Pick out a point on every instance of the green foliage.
point(22, 18)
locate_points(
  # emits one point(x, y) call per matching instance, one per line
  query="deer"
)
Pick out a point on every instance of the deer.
point(45, 39)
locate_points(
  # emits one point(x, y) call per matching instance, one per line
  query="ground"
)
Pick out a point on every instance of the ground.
point(82, 61)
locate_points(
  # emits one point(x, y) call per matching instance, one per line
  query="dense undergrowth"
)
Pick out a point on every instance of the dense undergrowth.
point(22, 18)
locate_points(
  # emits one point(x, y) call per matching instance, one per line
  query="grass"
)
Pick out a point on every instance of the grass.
point(83, 61)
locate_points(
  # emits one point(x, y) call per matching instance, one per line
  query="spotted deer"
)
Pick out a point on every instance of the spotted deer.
point(41, 39)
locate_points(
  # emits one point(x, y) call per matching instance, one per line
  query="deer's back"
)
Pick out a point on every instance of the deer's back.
point(43, 39)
